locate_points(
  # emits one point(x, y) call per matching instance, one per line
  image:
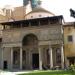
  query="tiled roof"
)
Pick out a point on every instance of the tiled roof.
point(69, 23)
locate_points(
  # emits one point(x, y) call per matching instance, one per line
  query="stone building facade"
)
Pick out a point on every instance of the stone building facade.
point(35, 39)
point(69, 43)
point(32, 44)
point(10, 13)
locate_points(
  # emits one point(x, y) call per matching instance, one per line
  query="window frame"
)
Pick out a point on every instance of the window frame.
point(70, 38)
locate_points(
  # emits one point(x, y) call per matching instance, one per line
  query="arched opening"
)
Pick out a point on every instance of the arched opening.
point(30, 45)
point(30, 40)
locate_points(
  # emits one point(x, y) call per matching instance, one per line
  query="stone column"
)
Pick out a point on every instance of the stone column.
point(29, 65)
point(2, 58)
point(62, 57)
point(51, 57)
point(20, 58)
point(11, 58)
point(40, 58)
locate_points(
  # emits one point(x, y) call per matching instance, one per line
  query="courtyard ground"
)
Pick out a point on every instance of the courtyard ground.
point(49, 72)
point(13, 73)
point(36, 72)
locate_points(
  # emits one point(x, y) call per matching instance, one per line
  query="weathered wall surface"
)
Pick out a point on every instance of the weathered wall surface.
point(69, 46)
point(15, 36)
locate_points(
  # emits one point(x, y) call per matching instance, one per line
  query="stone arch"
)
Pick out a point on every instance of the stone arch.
point(30, 40)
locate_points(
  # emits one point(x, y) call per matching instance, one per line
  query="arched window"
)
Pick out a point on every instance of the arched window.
point(30, 40)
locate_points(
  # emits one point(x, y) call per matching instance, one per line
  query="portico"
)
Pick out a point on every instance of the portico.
point(33, 47)
point(47, 57)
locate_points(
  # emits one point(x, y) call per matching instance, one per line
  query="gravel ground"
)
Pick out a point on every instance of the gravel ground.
point(12, 73)
point(7, 73)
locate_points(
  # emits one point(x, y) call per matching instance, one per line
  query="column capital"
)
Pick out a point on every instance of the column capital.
point(62, 44)
point(39, 46)
point(49, 43)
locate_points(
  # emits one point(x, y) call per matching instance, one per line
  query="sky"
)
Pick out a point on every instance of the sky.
point(58, 7)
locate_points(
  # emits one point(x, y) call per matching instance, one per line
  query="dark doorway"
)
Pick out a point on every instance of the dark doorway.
point(35, 61)
point(71, 61)
point(5, 65)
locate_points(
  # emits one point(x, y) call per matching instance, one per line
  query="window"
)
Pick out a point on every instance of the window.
point(58, 56)
point(0, 40)
point(70, 38)
point(31, 16)
point(54, 21)
point(69, 28)
point(39, 15)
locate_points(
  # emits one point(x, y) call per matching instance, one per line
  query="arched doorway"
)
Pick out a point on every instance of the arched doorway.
point(30, 44)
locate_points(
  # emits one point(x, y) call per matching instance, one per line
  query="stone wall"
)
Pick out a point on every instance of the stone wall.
point(47, 33)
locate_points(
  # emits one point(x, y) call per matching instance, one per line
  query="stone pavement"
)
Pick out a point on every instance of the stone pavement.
point(7, 73)
point(12, 73)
